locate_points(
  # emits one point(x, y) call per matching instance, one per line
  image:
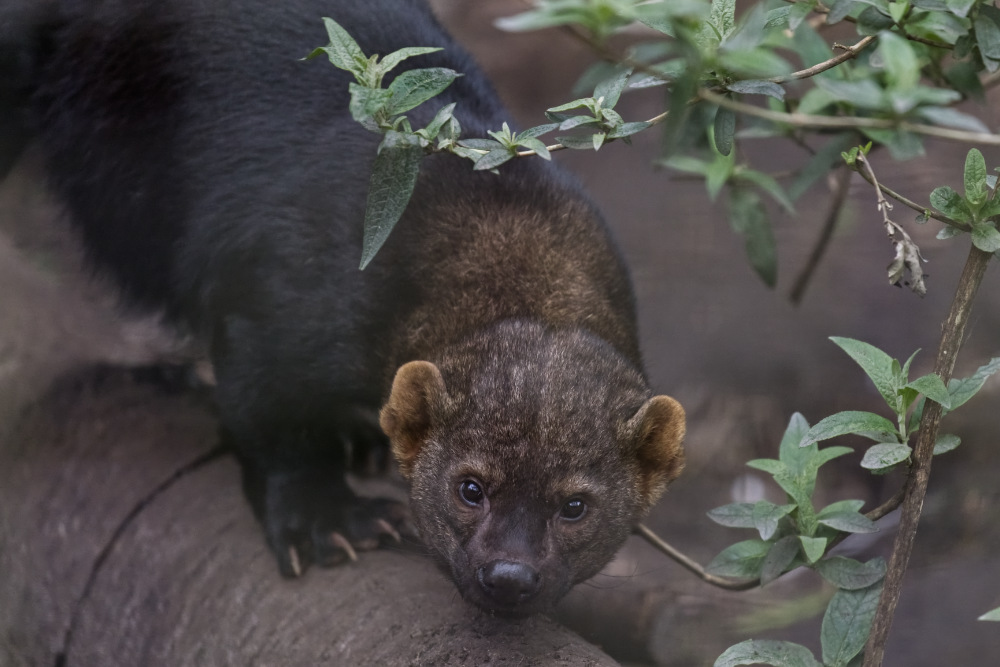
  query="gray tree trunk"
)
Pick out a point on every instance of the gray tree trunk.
point(116, 548)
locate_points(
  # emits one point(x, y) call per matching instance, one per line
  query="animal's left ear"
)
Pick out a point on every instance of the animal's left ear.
point(417, 401)
point(657, 430)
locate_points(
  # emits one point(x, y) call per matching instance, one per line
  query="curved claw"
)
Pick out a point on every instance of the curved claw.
point(294, 562)
point(385, 528)
point(344, 545)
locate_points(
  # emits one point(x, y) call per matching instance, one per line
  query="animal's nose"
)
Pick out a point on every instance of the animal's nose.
point(508, 582)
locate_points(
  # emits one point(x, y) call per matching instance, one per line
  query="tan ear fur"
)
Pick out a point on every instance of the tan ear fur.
point(418, 396)
point(658, 428)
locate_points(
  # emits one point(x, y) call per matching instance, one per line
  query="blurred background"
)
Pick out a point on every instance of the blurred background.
point(739, 356)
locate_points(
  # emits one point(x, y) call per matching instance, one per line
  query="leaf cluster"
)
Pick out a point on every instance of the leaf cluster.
point(794, 535)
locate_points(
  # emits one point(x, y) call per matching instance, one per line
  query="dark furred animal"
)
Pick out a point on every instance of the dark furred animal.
point(218, 177)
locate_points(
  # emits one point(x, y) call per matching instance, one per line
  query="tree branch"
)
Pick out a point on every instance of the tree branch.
point(837, 200)
point(916, 485)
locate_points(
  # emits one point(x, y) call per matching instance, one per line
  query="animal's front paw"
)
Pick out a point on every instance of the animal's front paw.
point(310, 517)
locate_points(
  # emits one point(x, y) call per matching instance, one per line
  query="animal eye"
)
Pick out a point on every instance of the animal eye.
point(471, 493)
point(573, 509)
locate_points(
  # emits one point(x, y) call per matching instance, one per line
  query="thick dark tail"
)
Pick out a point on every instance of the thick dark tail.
point(26, 28)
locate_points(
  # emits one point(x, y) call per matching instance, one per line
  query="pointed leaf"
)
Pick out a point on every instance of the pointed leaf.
point(962, 390)
point(628, 129)
point(986, 237)
point(734, 515)
point(867, 424)
point(840, 506)
point(932, 387)
point(975, 178)
point(949, 202)
point(416, 86)
point(532, 144)
point(849, 522)
point(725, 128)
point(847, 622)
point(993, 615)
point(758, 87)
point(394, 175)
point(767, 652)
point(813, 547)
point(945, 443)
point(875, 363)
point(741, 560)
point(885, 455)
point(766, 516)
point(779, 558)
point(793, 456)
point(611, 89)
point(390, 61)
point(343, 51)
point(538, 130)
point(493, 159)
point(850, 574)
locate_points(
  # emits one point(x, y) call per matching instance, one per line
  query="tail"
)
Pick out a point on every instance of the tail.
point(26, 28)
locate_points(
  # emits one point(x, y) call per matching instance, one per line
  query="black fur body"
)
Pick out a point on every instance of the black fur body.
point(217, 176)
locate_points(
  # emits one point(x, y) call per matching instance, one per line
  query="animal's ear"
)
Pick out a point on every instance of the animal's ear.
point(656, 432)
point(417, 400)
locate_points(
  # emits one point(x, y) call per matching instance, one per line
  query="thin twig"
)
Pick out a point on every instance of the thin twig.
point(916, 486)
point(691, 565)
point(849, 53)
point(915, 206)
point(837, 199)
point(849, 122)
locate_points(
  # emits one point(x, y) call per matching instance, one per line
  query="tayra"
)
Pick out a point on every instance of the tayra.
point(220, 178)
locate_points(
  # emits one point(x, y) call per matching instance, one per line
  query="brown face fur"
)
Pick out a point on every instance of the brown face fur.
point(532, 454)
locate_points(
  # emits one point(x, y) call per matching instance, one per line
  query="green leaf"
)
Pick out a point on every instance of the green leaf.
point(577, 142)
point(948, 117)
point(725, 128)
point(767, 652)
point(342, 51)
point(846, 624)
point(757, 87)
point(771, 466)
point(734, 515)
point(742, 560)
point(493, 159)
point(885, 455)
point(866, 424)
point(945, 443)
point(932, 387)
point(766, 516)
point(390, 61)
point(993, 615)
point(949, 202)
point(987, 29)
point(722, 17)
point(850, 574)
point(394, 175)
point(598, 139)
point(840, 506)
point(986, 237)
point(902, 66)
point(963, 389)
point(416, 86)
point(769, 185)
point(813, 547)
point(975, 178)
point(795, 458)
point(481, 144)
point(538, 130)
point(611, 89)
point(749, 218)
point(366, 102)
point(443, 115)
point(628, 129)
point(536, 145)
point(779, 558)
point(876, 364)
point(848, 522)
point(821, 163)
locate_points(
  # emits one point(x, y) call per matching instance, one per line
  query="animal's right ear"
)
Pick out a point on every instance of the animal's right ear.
point(417, 401)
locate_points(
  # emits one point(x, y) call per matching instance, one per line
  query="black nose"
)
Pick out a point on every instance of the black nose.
point(508, 583)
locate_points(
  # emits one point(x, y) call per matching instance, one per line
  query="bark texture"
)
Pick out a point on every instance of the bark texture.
point(121, 545)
